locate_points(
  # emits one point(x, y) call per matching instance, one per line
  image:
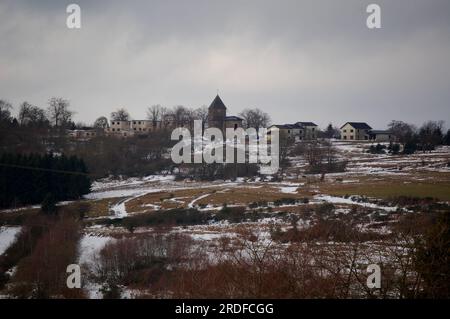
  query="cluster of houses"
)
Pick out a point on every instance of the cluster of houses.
point(217, 117)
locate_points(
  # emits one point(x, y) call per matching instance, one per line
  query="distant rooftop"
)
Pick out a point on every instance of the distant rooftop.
point(358, 125)
point(380, 132)
point(233, 118)
point(217, 103)
point(306, 123)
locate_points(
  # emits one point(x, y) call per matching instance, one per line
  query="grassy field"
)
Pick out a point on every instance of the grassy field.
point(439, 191)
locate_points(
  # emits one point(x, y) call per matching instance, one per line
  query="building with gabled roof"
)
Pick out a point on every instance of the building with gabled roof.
point(355, 131)
point(217, 116)
point(300, 131)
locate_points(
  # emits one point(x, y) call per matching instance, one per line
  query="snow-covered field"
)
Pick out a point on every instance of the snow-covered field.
point(268, 204)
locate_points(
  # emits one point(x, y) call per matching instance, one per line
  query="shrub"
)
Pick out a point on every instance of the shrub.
point(324, 209)
point(394, 149)
point(377, 149)
point(48, 206)
point(174, 217)
point(232, 214)
point(285, 201)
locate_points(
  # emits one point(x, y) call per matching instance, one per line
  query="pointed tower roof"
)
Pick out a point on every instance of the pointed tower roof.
point(217, 103)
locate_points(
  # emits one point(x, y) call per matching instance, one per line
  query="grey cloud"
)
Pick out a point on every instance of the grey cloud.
point(297, 60)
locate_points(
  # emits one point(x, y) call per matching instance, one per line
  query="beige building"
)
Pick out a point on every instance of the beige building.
point(307, 131)
point(355, 131)
point(300, 131)
point(83, 134)
point(133, 127)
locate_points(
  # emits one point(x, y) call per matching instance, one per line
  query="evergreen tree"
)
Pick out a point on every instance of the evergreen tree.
point(447, 138)
point(27, 179)
point(48, 206)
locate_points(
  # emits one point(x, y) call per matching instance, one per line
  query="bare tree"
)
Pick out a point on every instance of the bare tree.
point(58, 111)
point(182, 115)
point(255, 118)
point(101, 122)
point(404, 132)
point(5, 111)
point(331, 131)
point(120, 115)
point(431, 134)
point(156, 113)
point(201, 114)
point(31, 115)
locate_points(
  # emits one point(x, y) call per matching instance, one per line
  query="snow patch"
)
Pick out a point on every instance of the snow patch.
point(7, 237)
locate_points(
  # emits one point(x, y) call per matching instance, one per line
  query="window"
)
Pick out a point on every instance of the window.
point(351, 137)
point(313, 129)
point(345, 131)
point(351, 131)
point(114, 129)
point(235, 126)
point(134, 122)
point(345, 137)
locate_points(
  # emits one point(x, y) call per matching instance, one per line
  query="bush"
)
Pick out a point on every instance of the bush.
point(327, 230)
point(378, 149)
point(324, 209)
point(48, 206)
point(326, 168)
point(432, 258)
point(394, 149)
point(174, 217)
point(232, 214)
point(285, 201)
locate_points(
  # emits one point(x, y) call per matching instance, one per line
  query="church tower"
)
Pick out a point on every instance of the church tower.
point(217, 113)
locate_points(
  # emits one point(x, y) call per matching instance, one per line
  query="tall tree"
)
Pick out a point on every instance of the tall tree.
point(120, 115)
point(156, 112)
point(201, 114)
point(59, 112)
point(182, 115)
point(447, 138)
point(430, 135)
point(255, 118)
point(31, 115)
point(5, 111)
point(101, 123)
point(331, 131)
point(404, 132)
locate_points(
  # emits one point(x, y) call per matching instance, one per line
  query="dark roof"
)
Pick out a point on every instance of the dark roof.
point(358, 125)
point(306, 123)
point(285, 126)
point(380, 132)
point(217, 104)
point(233, 118)
point(278, 126)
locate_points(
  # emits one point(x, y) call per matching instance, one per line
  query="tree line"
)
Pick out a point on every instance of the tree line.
point(29, 179)
point(412, 139)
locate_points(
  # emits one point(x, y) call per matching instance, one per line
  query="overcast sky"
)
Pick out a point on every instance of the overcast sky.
point(297, 60)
